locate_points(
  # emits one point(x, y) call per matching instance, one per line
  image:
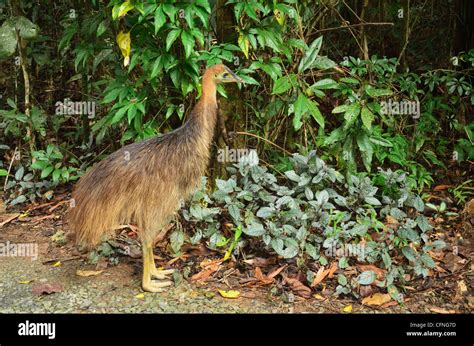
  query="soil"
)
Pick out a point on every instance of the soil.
point(51, 284)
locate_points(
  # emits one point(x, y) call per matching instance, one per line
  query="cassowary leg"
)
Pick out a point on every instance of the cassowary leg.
point(149, 271)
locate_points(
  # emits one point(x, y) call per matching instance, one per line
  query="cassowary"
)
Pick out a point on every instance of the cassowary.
point(143, 183)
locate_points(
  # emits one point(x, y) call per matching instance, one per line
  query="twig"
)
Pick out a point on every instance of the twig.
point(9, 169)
point(61, 259)
point(40, 206)
point(355, 25)
point(263, 139)
point(9, 219)
point(57, 205)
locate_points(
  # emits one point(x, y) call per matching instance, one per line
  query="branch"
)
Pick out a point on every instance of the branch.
point(356, 25)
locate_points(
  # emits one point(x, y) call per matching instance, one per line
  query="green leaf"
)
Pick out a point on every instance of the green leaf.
point(381, 141)
point(325, 84)
point(18, 200)
point(170, 10)
point(352, 112)
point(100, 57)
point(265, 212)
point(342, 280)
point(310, 55)
point(349, 80)
point(335, 136)
point(284, 83)
point(367, 118)
point(316, 113)
point(160, 19)
point(39, 164)
point(46, 171)
point(292, 175)
point(234, 211)
point(423, 223)
point(131, 112)
point(409, 253)
point(372, 201)
point(188, 42)
point(3, 172)
point(323, 63)
point(203, 16)
point(19, 173)
point(248, 79)
point(254, 229)
point(300, 108)
point(56, 175)
point(172, 36)
point(176, 240)
point(340, 109)
point(367, 277)
point(244, 44)
point(373, 92)
point(120, 114)
point(27, 29)
point(121, 10)
point(428, 261)
point(11, 103)
point(102, 28)
point(7, 41)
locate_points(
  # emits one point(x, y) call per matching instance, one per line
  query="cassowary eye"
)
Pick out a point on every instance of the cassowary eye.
point(225, 75)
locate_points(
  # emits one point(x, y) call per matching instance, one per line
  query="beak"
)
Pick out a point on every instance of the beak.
point(235, 77)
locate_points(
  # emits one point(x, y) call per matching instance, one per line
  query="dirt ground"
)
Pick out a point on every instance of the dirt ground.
point(51, 284)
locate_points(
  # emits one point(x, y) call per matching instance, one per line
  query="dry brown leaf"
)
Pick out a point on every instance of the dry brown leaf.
point(87, 273)
point(441, 187)
point(453, 262)
point(298, 287)
point(102, 264)
point(365, 290)
point(261, 277)
point(442, 311)
point(276, 272)
point(211, 265)
point(202, 275)
point(261, 262)
point(320, 275)
point(390, 303)
point(376, 299)
point(332, 269)
point(45, 288)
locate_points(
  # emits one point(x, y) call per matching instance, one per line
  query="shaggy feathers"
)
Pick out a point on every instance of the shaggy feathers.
point(143, 183)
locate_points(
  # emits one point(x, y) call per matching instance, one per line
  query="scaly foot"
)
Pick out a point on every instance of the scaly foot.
point(161, 274)
point(155, 286)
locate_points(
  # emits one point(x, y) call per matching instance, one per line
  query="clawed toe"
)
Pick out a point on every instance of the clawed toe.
point(156, 286)
point(161, 274)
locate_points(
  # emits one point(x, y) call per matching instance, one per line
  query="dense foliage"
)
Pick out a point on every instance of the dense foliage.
point(317, 214)
point(81, 78)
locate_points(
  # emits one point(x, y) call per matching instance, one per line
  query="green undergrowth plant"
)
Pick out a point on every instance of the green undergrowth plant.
point(318, 215)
